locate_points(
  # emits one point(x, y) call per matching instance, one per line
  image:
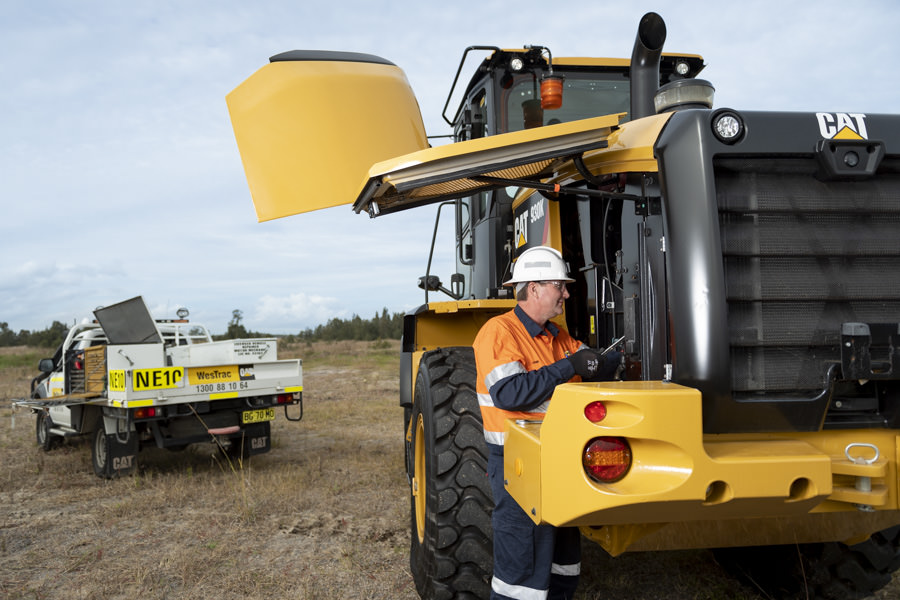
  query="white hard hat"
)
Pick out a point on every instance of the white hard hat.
point(540, 263)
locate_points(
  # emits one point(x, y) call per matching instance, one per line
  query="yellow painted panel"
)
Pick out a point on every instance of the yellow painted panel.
point(308, 131)
point(137, 403)
point(630, 147)
point(522, 468)
point(678, 473)
point(455, 323)
point(220, 374)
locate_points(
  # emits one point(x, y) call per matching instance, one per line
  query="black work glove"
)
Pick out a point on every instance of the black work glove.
point(586, 363)
point(609, 369)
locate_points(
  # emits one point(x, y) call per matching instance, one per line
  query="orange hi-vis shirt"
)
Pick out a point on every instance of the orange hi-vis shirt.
point(519, 364)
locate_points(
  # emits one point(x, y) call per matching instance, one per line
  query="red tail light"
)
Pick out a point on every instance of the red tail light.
point(284, 398)
point(607, 459)
point(595, 412)
point(144, 413)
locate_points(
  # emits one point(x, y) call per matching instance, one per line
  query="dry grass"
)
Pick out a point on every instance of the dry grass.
point(324, 512)
point(324, 515)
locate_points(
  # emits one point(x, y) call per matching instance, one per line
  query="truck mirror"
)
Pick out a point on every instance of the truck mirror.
point(45, 365)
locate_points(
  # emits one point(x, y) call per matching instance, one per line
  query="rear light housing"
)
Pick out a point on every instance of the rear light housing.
point(146, 413)
point(284, 398)
point(607, 459)
point(595, 412)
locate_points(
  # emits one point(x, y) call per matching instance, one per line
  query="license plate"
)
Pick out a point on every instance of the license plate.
point(258, 416)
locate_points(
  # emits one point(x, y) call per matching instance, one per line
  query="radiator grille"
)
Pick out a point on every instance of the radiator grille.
point(801, 257)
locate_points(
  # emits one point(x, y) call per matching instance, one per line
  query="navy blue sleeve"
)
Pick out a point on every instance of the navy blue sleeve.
point(526, 391)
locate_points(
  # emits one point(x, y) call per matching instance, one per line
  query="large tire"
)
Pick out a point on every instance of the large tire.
point(824, 571)
point(450, 495)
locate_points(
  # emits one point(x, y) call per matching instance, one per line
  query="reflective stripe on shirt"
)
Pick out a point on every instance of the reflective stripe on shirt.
point(502, 372)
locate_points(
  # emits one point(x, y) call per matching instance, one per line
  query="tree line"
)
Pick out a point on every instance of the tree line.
point(380, 327)
point(384, 326)
point(47, 338)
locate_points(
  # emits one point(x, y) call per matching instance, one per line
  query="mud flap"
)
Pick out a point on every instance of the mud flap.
point(257, 438)
point(113, 453)
point(122, 456)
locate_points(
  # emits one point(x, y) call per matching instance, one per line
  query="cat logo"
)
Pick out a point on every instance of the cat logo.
point(122, 462)
point(530, 218)
point(842, 126)
point(521, 224)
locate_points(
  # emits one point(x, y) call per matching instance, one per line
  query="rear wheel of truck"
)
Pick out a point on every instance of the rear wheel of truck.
point(100, 454)
point(450, 495)
point(824, 571)
point(113, 455)
point(42, 426)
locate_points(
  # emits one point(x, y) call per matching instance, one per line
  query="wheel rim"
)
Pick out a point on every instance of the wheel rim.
point(100, 450)
point(418, 482)
point(42, 429)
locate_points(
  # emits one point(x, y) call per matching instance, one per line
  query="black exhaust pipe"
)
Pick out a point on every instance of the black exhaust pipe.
point(651, 36)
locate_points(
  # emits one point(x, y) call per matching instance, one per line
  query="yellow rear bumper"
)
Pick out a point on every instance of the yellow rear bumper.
point(679, 474)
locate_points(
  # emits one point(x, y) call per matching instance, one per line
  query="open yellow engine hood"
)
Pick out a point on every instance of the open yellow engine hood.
point(310, 124)
point(318, 129)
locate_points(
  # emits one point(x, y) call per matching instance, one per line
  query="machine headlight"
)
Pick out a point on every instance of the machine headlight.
point(728, 126)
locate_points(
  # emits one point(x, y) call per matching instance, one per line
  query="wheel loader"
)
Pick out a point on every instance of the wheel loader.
point(746, 263)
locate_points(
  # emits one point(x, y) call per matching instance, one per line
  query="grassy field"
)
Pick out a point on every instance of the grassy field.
point(325, 514)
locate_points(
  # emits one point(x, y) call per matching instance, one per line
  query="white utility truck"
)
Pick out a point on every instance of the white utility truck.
point(129, 381)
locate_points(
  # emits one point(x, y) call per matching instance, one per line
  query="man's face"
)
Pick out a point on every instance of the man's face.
point(548, 297)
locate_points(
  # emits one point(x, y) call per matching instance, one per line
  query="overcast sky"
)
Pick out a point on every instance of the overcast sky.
point(119, 174)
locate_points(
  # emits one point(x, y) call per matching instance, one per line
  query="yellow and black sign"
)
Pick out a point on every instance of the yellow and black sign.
point(201, 375)
point(117, 380)
point(157, 379)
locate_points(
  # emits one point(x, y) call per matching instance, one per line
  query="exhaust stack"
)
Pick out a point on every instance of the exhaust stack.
point(651, 36)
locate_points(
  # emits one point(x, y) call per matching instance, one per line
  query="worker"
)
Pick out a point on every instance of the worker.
point(521, 356)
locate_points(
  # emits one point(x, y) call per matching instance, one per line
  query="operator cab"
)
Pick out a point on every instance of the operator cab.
point(505, 94)
point(509, 93)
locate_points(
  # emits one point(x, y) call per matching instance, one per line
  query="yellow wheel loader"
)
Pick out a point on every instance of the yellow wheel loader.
point(749, 262)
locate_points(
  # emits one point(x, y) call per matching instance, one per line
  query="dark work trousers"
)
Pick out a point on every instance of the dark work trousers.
point(530, 561)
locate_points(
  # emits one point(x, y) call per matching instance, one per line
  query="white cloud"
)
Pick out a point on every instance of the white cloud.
point(120, 175)
point(294, 312)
